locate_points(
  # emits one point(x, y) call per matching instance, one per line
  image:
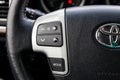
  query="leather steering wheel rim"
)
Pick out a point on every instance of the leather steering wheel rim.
point(18, 23)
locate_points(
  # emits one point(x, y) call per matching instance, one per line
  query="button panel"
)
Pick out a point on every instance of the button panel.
point(57, 64)
point(50, 50)
point(50, 28)
point(49, 40)
point(50, 34)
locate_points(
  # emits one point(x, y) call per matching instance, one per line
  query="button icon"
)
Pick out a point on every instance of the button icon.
point(54, 28)
point(42, 29)
point(55, 39)
point(42, 39)
point(57, 64)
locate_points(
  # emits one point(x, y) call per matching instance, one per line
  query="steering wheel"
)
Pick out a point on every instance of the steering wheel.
point(81, 43)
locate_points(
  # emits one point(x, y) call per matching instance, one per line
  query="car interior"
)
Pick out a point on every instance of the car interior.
point(59, 39)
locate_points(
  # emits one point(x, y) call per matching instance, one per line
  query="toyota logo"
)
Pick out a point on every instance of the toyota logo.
point(109, 35)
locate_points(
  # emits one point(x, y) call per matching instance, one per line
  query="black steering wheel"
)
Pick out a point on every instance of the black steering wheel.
point(81, 43)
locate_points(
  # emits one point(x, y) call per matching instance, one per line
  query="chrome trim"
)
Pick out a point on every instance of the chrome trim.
point(10, 1)
point(2, 29)
point(110, 33)
point(5, 19)
point(54, 52)
point(2, 2)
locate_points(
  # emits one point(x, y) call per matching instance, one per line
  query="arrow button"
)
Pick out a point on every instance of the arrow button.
point(42, 39)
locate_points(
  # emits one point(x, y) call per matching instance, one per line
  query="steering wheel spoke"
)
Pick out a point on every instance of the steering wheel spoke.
point(49, 36)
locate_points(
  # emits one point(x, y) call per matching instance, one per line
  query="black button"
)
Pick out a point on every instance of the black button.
point(57, 64)
point(49, 40)
point(50, 28)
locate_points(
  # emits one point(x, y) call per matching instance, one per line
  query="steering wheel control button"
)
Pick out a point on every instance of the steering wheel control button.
point(57, 64)
point(50, 28)
point(54, 28)
point(55, 39)
point(50, 40)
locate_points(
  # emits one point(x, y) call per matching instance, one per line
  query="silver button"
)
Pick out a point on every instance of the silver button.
point(55, 39)
point(54, 28)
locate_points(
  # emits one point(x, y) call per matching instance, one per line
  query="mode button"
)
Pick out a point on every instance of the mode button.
point(57, 64)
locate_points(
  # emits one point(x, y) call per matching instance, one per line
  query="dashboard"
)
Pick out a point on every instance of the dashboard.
point(52, 5)
point(47, 6)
